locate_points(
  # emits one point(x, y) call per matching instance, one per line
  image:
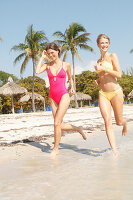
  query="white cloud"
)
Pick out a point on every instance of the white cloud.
point(90, 66)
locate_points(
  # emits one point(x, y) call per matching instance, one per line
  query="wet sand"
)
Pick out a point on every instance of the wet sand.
point(82, 170)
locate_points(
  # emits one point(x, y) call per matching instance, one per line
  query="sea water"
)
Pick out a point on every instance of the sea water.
point(84, 170)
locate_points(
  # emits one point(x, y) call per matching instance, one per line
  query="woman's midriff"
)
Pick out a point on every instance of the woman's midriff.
point(108, 84)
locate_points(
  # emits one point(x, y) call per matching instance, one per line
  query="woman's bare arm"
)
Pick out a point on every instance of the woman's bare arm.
point(41, 67)
point(70, 78)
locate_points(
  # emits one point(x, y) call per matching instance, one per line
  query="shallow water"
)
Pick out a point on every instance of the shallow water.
point(83, 170)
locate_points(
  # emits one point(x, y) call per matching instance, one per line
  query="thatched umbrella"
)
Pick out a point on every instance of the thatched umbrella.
point(28, 96)
point(130, 95)
point(11, 89)
point(81, 97)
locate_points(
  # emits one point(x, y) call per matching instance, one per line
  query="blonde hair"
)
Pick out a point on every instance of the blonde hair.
point(102, 36)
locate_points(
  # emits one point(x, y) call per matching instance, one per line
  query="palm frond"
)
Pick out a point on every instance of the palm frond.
point(23, 66)
point(18, 58)
point(39, 37)
point(131, 51)
point(76, 53)
point(64, 47)
point(20, 47)
point(65, 55)
point(75, 29)
point(58, 34)
point(60, 42)
point(82, 38)
point(86, 47)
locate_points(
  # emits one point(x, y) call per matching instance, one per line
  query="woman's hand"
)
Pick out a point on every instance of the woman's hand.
point(98, 67)
point(95, 82)
point(72, 91)
point(44, 54)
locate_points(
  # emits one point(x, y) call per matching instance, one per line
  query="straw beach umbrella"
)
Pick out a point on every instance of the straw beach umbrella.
point(28, 96)
point(130, 95)
point(11, 89)
point(81, 97)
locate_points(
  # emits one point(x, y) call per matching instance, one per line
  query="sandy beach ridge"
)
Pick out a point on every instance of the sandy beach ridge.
point(26, 127)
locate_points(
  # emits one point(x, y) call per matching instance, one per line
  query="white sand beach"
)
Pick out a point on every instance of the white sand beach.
point(82, 170)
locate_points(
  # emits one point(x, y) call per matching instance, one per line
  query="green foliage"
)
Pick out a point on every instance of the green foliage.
point(39, 88)
point(126, 82)
point(84, 83)
point(4, 77)
point(5, 104)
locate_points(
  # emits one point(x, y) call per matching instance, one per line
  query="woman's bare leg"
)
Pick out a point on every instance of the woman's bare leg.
point(58, 117)
point(105, 108)
point(58, 113)
point(66, 126)
point(69, 127)
point(117, 105)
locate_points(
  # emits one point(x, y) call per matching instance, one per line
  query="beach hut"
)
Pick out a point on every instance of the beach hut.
point(81, 97)
point(28, 96)
point(11, 89)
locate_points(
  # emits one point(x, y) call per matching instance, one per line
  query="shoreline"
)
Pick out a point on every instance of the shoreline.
point(27, 127)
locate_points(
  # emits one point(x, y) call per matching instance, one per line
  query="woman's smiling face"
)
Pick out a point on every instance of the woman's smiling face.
point(52, 54)
point(103, 44)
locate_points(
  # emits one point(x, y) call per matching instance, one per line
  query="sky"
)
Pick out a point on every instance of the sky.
point(111, 17)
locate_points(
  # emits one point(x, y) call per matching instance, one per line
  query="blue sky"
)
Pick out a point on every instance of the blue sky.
point(114, 18)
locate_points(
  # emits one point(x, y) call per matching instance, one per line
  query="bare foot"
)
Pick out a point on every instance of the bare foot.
point(54, 153)
point(116, 153)
point(124, 131)
point(80, 130)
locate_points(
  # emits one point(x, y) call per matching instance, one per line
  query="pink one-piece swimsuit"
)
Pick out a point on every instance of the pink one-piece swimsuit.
point(57, 84)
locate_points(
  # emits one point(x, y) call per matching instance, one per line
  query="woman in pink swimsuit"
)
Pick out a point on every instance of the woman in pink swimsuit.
point(59, 96)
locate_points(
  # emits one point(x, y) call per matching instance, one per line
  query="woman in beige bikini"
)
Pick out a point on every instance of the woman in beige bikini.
point(110, 92)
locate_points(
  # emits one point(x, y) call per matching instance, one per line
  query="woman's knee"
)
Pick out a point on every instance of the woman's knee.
point(108, 122)
point(57, 123)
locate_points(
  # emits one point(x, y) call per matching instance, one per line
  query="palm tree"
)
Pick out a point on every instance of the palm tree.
point(30, 50)
point(131, 72)
point(73, 37)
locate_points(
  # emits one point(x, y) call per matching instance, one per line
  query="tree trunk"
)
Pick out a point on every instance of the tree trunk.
point(74, 80)
point(44, 104)
point(12, 104)
point(33, 103)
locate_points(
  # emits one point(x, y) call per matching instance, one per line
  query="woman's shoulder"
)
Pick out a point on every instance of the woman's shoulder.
point(112, 55)
point(66, 65)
